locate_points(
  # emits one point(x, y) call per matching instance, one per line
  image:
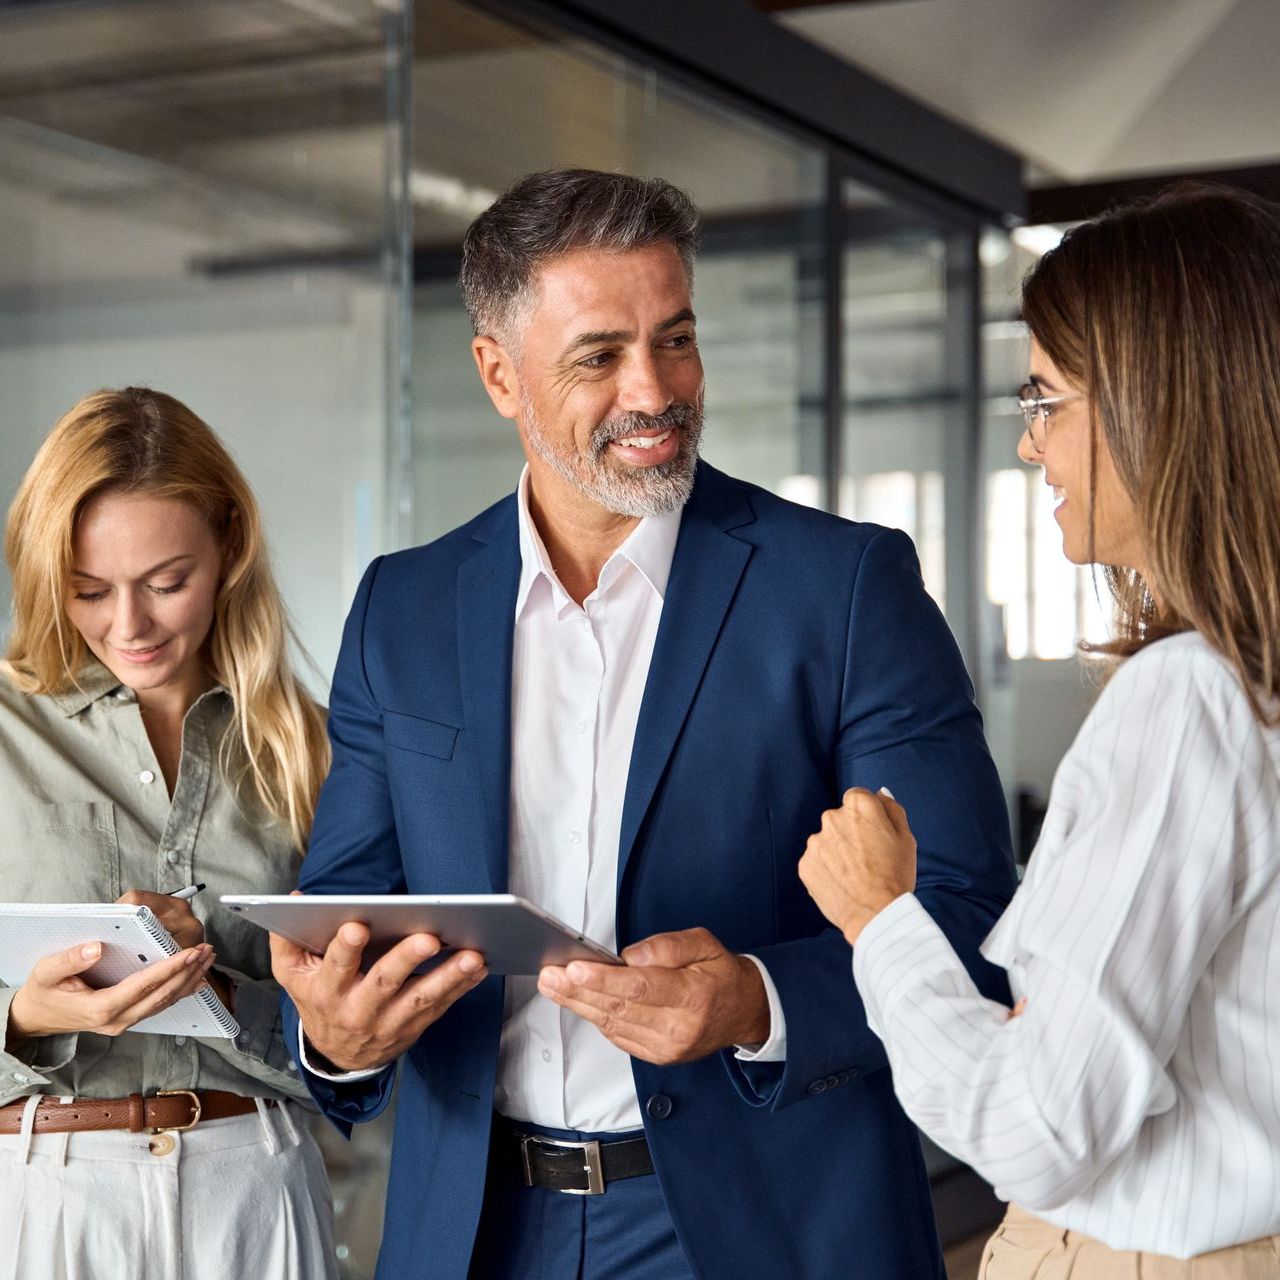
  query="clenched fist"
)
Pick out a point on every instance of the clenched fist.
point(863, 858)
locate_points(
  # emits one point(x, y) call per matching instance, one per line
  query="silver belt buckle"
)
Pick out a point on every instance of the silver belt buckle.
point(591, 1164)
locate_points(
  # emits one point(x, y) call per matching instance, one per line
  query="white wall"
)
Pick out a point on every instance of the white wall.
point(1033, 718)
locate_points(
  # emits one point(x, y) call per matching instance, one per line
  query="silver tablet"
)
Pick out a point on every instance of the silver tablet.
point(513, 935)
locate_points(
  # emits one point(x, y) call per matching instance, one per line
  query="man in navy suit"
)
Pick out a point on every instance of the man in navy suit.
point(628, 692)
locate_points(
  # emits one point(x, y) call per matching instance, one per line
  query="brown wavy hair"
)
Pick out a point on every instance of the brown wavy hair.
point(142, 441)
point(1166, 313)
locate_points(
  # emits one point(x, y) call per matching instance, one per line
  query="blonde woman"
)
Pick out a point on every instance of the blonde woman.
point(1131, 1112)
point(152, 736)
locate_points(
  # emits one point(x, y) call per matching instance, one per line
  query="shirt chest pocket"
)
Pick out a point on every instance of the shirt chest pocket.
point(66, 852)
point(414, 733)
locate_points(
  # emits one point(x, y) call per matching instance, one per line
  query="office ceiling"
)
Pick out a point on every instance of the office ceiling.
point(1084, 89)
point(251, 131)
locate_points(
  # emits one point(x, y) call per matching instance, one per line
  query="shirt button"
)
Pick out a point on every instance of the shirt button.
point(171, 857)
point(180, 1041)
point(582, 726)
point(146, 776)
point(21, 1078)
point(575, 837)
point(546, 1055)
point(123, 695)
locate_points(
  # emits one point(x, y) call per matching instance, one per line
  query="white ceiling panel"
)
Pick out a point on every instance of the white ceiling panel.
point(1083, 90)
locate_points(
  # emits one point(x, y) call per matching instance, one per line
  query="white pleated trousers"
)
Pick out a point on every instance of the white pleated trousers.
point(245, 1198)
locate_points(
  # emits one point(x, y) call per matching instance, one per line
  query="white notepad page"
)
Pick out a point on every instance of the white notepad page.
point(131, 938)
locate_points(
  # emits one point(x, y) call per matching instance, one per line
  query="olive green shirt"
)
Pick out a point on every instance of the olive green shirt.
point(84, 817)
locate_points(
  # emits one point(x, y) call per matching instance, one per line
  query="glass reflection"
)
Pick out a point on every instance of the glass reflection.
point(495, 100)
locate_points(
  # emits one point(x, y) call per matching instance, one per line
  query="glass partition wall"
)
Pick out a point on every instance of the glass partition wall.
point(908, 431)
point(798, 246)
point(495, 99)
point(200, 197)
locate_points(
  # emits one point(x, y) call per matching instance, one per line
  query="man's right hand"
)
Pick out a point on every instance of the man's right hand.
point(362, 1020)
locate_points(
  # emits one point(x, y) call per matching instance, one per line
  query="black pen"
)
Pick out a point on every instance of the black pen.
point(189, 892)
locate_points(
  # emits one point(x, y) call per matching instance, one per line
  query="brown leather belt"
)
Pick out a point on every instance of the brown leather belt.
point(176, 1109)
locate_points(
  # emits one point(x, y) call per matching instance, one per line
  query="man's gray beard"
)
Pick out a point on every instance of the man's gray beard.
point(633, 491)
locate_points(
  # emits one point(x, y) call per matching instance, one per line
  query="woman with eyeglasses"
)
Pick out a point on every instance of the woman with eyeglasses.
point(1129, 1105)
point(153, 736)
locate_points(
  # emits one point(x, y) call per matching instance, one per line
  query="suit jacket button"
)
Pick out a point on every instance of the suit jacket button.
point(659, 1106)
point(817, 1087)
point(833, 1082)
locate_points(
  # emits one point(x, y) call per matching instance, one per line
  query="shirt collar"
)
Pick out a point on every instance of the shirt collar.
point(95, 682)
point(650, 547)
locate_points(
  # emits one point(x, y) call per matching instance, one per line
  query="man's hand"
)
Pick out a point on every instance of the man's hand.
point(863, 858)
point(359, 1020)
point(678, 997)
point(55, 999)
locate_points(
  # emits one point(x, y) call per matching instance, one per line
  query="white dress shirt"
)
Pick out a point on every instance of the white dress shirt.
point(1137, 1098)
point(578, 678)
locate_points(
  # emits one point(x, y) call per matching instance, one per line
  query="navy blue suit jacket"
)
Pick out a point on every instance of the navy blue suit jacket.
point(797, 655)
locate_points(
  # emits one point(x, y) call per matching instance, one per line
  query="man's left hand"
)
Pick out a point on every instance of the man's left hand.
point(677, 997)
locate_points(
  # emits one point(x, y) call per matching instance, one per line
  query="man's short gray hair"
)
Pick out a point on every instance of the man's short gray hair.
point(548, 214)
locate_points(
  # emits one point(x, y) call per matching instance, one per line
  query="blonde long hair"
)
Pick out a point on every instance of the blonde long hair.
point(1166, 313)
point(142, 441)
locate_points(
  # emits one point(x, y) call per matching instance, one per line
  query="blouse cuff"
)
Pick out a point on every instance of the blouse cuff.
point(22, 1064)
point(900, 948)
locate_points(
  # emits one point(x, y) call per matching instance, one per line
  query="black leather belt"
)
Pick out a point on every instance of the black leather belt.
point(576, 1168)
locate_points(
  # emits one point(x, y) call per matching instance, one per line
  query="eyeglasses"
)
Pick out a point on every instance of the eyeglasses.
point(1036, 409)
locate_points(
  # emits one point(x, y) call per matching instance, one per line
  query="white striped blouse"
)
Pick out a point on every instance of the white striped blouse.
point(1137, 1098)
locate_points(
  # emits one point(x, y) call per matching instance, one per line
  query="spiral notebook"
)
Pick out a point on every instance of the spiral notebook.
point(131, 938)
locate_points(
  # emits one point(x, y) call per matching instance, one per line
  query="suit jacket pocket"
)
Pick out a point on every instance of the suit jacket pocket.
point(414, 733)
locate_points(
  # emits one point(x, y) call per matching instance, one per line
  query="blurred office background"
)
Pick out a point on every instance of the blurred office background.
point(258, 205)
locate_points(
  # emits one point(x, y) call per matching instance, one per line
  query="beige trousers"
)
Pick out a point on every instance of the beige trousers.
point(1025, 1248)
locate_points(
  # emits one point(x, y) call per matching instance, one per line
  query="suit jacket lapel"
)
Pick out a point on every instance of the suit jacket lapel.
point(487, 586)
point(708, 564)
